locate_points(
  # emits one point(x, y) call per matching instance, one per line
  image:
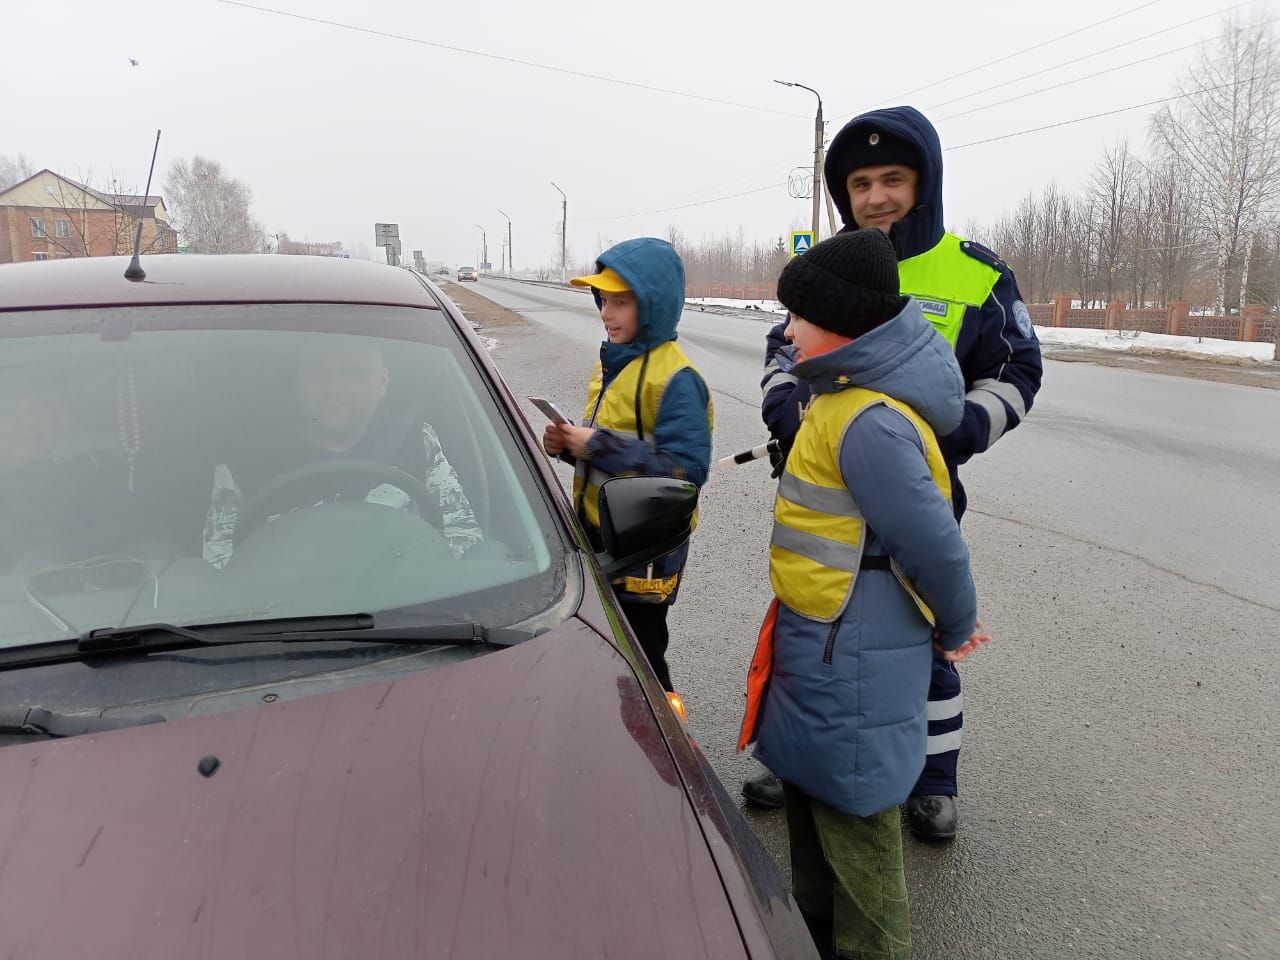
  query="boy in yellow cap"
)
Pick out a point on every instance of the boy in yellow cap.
point(648, 413)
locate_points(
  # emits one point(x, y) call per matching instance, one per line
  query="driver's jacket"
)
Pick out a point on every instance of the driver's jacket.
point(459, 522)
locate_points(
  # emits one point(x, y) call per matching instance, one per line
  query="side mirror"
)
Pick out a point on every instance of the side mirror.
point(643, 518)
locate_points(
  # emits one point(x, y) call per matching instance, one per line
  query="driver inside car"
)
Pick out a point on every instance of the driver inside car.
point(339, 388)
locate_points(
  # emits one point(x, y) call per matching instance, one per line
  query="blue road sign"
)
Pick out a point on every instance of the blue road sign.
point(801, 241)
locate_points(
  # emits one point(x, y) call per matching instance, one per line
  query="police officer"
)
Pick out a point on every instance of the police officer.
point(884, 170)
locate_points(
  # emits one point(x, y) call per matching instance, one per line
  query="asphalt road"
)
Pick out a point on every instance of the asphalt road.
point(1120, 780)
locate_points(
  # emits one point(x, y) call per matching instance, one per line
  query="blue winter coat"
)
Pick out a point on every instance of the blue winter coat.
point(679, 444)
point(852, 731)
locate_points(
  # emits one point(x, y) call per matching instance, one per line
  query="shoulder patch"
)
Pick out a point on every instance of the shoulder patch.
point(1022, 317)
point(985, 254)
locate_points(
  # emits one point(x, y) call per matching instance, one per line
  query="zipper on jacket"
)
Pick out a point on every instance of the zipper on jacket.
point(831, 643)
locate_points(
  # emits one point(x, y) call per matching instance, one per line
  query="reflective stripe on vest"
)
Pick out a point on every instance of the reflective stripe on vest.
point(818, 532)
point(614, 408)
point(946, 281)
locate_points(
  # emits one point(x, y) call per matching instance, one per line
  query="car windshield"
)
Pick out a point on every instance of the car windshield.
point(209, 464)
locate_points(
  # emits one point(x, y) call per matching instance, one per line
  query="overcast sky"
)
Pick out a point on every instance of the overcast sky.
point(334, 129)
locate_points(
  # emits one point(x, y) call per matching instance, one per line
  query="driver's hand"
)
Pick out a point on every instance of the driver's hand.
point(553, 441)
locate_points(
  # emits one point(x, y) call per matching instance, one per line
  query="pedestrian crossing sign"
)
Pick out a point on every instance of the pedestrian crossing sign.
point(801, 241)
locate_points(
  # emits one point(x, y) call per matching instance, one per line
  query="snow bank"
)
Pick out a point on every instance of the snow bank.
point(1192, 346)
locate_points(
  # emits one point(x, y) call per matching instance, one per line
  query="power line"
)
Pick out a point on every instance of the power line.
point(1109, 113)
point(1090, 56)
point(505, 59)
point(682, 206)
point(1037, 46)
point(1068, 83)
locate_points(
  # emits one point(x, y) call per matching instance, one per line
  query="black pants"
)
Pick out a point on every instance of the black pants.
point(649, 624)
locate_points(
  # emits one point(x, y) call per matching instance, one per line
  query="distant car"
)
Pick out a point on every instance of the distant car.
point(345, 736)
point(467, 273)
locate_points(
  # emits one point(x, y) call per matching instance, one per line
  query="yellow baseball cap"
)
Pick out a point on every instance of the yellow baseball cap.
point(607, 280)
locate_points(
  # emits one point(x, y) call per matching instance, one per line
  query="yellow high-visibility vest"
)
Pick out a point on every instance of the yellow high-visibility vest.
point(614, 408)
point(818, 531)
point(945, 281)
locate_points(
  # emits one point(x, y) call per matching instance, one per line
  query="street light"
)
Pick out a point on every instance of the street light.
point(817, 156)
point(484, 249)
point(564, 224)
point(511, 267)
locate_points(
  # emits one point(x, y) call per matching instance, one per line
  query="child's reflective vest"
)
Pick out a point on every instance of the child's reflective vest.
point(818, 532)
point(616, 407)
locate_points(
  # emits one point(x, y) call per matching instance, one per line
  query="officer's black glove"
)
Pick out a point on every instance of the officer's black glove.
point(778, 457)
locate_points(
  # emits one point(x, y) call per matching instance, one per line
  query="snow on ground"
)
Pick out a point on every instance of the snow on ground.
point(1113, 340)
point(1070, 337)
point(768, 306)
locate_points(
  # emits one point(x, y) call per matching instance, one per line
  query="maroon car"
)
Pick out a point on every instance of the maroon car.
point(303, 653)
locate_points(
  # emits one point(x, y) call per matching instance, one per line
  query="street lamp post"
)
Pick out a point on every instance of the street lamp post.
point(511, 267)
point(564, 224)
point(484, 249)
point(817, 154)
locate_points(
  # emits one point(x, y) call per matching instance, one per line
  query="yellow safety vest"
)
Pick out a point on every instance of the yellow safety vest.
point(945, 281)
point(818, 533)
point(614, 408)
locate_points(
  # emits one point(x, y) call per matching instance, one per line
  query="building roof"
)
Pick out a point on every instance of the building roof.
point(193, 278)
point(134, 202)
point(136, 199)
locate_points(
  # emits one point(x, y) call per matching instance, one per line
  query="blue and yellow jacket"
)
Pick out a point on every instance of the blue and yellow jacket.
point(677, 443)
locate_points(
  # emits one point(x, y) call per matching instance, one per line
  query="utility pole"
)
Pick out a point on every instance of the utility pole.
point(817, 159)
point(484, 249)
point(511, 266)
point(564, 226)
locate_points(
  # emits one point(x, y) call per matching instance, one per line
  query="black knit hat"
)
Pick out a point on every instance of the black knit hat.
point(866, 143)
point(847, 284)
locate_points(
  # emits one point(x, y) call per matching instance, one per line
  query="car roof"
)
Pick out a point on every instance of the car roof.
point(193, 278)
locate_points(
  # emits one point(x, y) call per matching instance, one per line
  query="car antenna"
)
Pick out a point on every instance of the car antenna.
point(134, 270)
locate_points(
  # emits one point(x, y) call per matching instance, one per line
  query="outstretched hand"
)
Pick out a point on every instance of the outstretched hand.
point(977, 639)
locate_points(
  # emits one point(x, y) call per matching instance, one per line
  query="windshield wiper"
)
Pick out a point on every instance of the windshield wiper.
point(161, 637)
point(39, 722)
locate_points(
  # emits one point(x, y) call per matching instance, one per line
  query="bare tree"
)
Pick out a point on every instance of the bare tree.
point(14, 170)
point(1225, 134)
point(1111, 188)
point(211, 208)
point(1082, 241)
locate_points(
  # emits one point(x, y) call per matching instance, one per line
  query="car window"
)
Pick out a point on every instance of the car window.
point(198, 465)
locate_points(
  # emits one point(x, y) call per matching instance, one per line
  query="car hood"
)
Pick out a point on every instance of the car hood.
point(520, 804)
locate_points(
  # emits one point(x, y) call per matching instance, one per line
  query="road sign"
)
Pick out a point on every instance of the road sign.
point(385, 232)
point(801, 241)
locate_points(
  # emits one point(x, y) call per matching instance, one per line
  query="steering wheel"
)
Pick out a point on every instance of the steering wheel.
point(275, 495)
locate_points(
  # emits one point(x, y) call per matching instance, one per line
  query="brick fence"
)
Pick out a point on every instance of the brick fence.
point(1252, 325)
point(733, 291)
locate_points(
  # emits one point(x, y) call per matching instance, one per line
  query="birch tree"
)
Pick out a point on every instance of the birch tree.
point(1224, 132)
point(211, 209)
point(14, 170)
